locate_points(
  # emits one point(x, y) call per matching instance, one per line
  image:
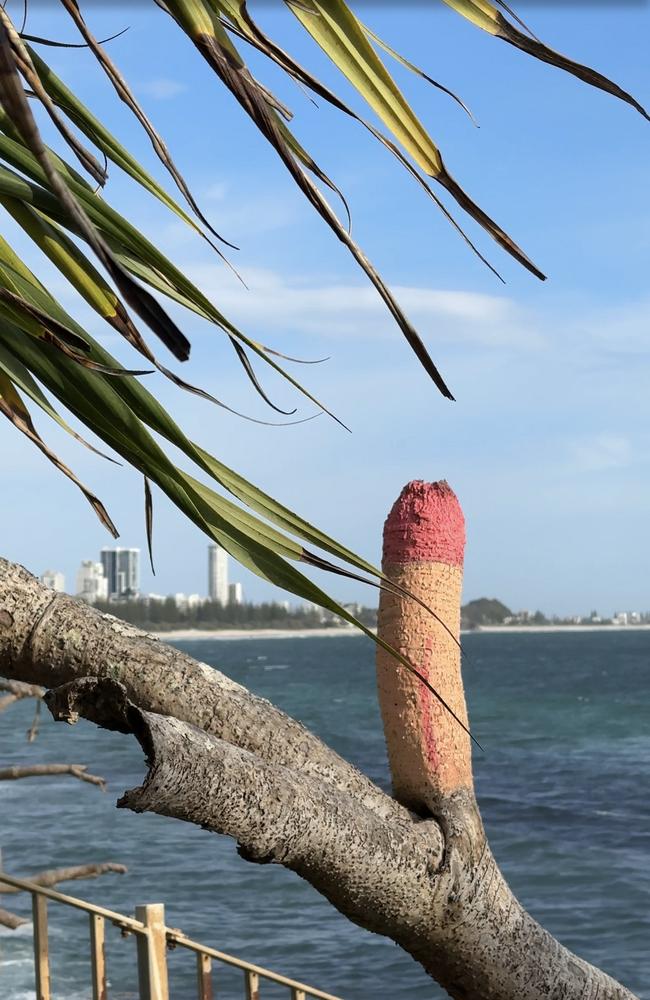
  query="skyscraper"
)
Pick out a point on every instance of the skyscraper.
point(52, 578)
point(235, 593)
point(92, 585)
point(122, 571)
point(218, 574)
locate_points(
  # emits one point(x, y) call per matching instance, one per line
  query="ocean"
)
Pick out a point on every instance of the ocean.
point(563, 785)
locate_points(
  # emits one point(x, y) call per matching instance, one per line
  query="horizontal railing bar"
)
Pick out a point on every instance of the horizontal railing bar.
point(185, 942)
point(175, 936)
point(79, 904)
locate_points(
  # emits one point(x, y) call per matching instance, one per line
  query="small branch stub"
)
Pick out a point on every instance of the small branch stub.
point(424, 541)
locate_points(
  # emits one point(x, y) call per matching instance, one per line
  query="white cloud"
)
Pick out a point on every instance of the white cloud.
point(335, 309)
point(162, 88)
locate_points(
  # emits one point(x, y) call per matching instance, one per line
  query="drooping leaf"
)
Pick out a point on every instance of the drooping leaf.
point(486, 16)
point(13, 408)
point(125, 94)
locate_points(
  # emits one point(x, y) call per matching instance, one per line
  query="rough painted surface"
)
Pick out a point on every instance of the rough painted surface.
point(428, 750)
point(426, 524)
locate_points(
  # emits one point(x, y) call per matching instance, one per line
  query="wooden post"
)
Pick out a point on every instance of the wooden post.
point(152, 953)
point(297, 994)
point(204, 976)
point(41, 951)
point(97, 956)
point(252, 986)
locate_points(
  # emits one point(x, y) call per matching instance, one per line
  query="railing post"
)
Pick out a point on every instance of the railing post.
point(41, 951)
point(252, 986)
point(97, 956)
point(297, 994)
point(152, 953)
point(204, 976)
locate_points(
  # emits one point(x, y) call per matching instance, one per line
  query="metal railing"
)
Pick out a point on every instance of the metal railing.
point(153, 939)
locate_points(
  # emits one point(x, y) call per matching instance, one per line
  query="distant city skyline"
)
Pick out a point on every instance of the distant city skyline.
point(92, 585)
point(116, 576)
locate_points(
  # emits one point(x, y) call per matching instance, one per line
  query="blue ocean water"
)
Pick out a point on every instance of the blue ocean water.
point(563, 787)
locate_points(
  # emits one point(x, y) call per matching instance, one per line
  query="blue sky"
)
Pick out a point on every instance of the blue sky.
point(547, 445)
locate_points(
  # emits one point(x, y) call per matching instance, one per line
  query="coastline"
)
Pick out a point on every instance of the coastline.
point(192, 635)
point(556, 628)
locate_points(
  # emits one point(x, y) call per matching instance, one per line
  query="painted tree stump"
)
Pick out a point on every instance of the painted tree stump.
point(424, 542)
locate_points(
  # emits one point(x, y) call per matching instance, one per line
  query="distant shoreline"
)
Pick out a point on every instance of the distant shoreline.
point(190, 635)
point(556, 628)
point(255, 633)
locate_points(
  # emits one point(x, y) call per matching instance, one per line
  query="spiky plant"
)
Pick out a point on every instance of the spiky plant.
point(65, 216)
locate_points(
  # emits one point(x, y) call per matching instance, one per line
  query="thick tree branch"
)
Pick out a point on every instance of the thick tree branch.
point(371, 869)
point(49, 638)
point(79, 771)
point(454, 912)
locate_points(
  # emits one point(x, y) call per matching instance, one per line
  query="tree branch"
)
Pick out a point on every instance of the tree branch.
point(453, 912)
point(232, 762)
point(20, 690)
point(50, 638)
point(371, 869)
point(79, 771)
point(11, 920)
point(53, 876)
point(17, 690)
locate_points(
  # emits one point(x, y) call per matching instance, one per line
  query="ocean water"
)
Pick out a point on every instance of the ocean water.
point(563, 785)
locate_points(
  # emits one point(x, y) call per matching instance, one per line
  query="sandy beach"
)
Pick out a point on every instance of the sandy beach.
point(258, 633)
point(333, 633)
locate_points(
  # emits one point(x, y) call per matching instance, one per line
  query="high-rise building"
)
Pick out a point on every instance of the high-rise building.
point(235, 593)
point(92, 584)
point(218, 574)
point(122, 571)
point(53, 579)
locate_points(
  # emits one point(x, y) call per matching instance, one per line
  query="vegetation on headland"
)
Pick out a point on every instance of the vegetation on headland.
point(169, 614)
point(165, 615)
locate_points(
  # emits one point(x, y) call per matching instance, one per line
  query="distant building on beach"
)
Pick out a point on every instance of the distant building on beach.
point(235, 593)
point(187, 602)
point(218, 574)
point(92, 585)
point(122, 571)
point(53, 579)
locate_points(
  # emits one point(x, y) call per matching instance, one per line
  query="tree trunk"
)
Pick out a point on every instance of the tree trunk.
point(418, 871)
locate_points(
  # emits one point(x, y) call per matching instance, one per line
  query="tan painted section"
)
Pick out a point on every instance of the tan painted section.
point(428, 751)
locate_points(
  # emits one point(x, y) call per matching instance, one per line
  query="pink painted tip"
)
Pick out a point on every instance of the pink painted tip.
point(425, 524)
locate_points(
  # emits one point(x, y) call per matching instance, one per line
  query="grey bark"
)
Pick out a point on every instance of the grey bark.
point(220, 757)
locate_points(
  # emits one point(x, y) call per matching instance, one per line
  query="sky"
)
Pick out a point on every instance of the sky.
point(547, 444)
